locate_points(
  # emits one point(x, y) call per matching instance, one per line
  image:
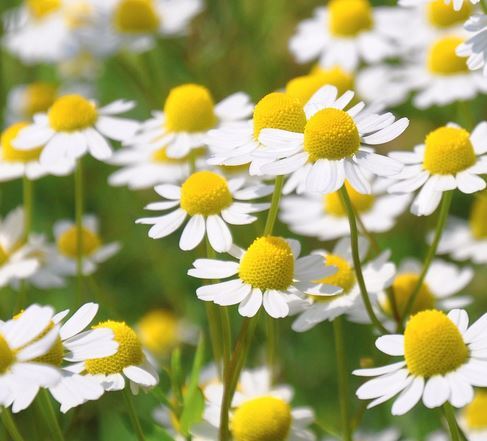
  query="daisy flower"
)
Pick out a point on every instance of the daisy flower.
point(473, 419)
point(74, 126)
point(269, 273)
point(346, 297)
point(26, 100)
point(443, 359)
point(259, 411)
point(211, 202)
point(457, 4)
point(335, 145)
point(189, 113)
point(450, 158)
point(325, 218)
point(94, 251)
point(475, 47)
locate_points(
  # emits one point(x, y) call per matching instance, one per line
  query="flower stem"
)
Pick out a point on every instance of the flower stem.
point(440, 225)
point(452, 422)
point(50, 415)
point(78, 201)
point(133, 414)
point(10, 425)
point(274, 209)
point(27, 200)
point(347, 203)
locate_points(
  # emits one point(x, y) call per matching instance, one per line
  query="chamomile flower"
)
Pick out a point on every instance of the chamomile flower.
point(473, 419)
point(211, 202)
point(325, 218)
point(450, 158)
point(269, 273)
point(74, 126)
point(443, 359)
point(457, 4)
point(259, 411)
point(334, 145)
point(26, 100)
point(94, 250)
point(189, 114)
point(475, 46)
point(346, 298)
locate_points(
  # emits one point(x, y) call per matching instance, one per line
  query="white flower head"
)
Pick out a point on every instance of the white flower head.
point(475, 47)
point(456, 4)
point(25, 100)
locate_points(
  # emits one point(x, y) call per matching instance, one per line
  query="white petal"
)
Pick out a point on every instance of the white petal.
point(193, 233)
point(219, 235)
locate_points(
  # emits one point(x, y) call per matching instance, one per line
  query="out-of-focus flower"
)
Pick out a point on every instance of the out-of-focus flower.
point(25, 100)
point(475, 47)
point(457, 4)
point(473, 419)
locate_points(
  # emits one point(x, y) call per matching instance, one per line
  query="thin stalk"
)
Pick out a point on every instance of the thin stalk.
point(342, 379)
point(452, 422)
point(215, 338)
point(51, 418)
point(274, 209)
point(440, 225)
point(129, 402)
point(10, 425)
point(347, 203)
point(27, 201)
point(79, 202)
point(272, 344)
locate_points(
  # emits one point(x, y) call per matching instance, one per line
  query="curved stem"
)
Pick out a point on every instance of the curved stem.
point(10, 425)
point(51, 418)
point(78, 201)
point(274, 209)
point(347, 203)
point(452, 422)
point(133, 414)
point(27, 200)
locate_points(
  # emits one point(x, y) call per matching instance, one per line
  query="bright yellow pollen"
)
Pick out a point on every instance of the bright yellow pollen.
point(348, 18)
point(442, 15)
point(10, 153)
point(3, 255)
point(55, 354)
point(205, 193)
point(136, 16)
point(189, 108)
point(160, 155)
point(68, 242)
point(475, 413)
point(39, 97)
point(129, 350)
point(343, 278)
point(7, 356)
point(478, 216)
point(71, 113)
point(361, 202)
point(331, 134)
point(448, 150)
point(268, 264)
point(159, 331)
point(41, 8)
point(442, 58)
point(279, 111)
point(262, 419)
point(433, 345)
point(78, 14)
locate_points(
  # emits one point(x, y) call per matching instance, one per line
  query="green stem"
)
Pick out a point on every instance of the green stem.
point(342, 379)
point(78, 201)
point(440, 225)
point(10, 425)
point(50, 415)
point(27, 200)
point(274, 209)
point(133, 414)
point(272, 344)
point(483, 5)
point(347, 203)
point(452, 422)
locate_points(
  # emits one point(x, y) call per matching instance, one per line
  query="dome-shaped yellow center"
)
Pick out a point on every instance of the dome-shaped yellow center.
point(348, 18)
point(331, 134)
point(262, 419)
point(42, 8)
point(448, 150)
point(39, 97)
point(442, 15)
point(343, 278)
point(279, 111)
point(361, 202)
point(433, 345)
point(189, 108)
point(129, 351)
point(136, 16)
point(475, 414)
point(71, 113)
point(158, 331)
point(205, 193)
point(7, 356)
point(68, 242)
point(268, 264)
point(55, 354)
point(478, 216)
point(10, 153)
point(442, 58)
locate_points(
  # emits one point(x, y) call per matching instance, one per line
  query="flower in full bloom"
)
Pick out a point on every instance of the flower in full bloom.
point(450, 158)
point(443, 359)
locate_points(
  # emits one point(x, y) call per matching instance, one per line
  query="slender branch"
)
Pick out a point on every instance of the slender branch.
point(27, 201)
point(133, 414)
point(274, 209)
point(50, 415)
point(452, 422)
point(10, 425)
point(79, 202)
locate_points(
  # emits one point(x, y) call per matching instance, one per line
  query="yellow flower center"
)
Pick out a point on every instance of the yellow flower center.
point(55, 354)
point(331, 134)
point(478, 216)
point(136, 16)
point(361, 202)
point(268, 264)
point(71, 113)
point(39, 97)
point(41, 8)
point(7, 356)
point(160, 155)
point(129, 350)
point(68, 242)
point(78, 14)
point(3, 255)
point(442, 58)
point(158, 331)
point(262, 419)
point(433, 345)
point(10, 153)
point(475, 413)
point(442, 15)
point(189, 108)
point(448, 150)
point(279, 111)
point(343, 278)
point(205, 193)
point(348, 18)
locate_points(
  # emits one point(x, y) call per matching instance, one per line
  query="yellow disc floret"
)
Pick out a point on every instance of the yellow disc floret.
point(448, 150)
point(331, 134)
point(56, 352)
point(71, 113)
point(475, 414)
point(268, 264)
point(68, 242)
point(205, 193)
point(129, 351)
point(279, 111)
point(3, 255)
point(7, 356)
point(10, 153)
point(39, 96)
point(189, 108)
point(343, 278)
point(478, 216)
point(361, 202)
point(160, 155)
point(348, 18)
point(136, 16)
point(159, 331)
point(42, 8)
point(433, 345)
point(442, 15)
point(442, 58)
point(262, 419)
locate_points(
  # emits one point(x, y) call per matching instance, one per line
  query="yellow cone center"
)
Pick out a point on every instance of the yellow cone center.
point(10, 153)
point(442, 58)
point(441, 15)
point(136, 16)
point(478, 216)
point(39, 97)
point(343, 278)
point(361, 202)
point(348, 18)
point(42, 8)
point(159, 331)
point(68, 242)
point(475, 413)
point(7, 356)
point(71, 113)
